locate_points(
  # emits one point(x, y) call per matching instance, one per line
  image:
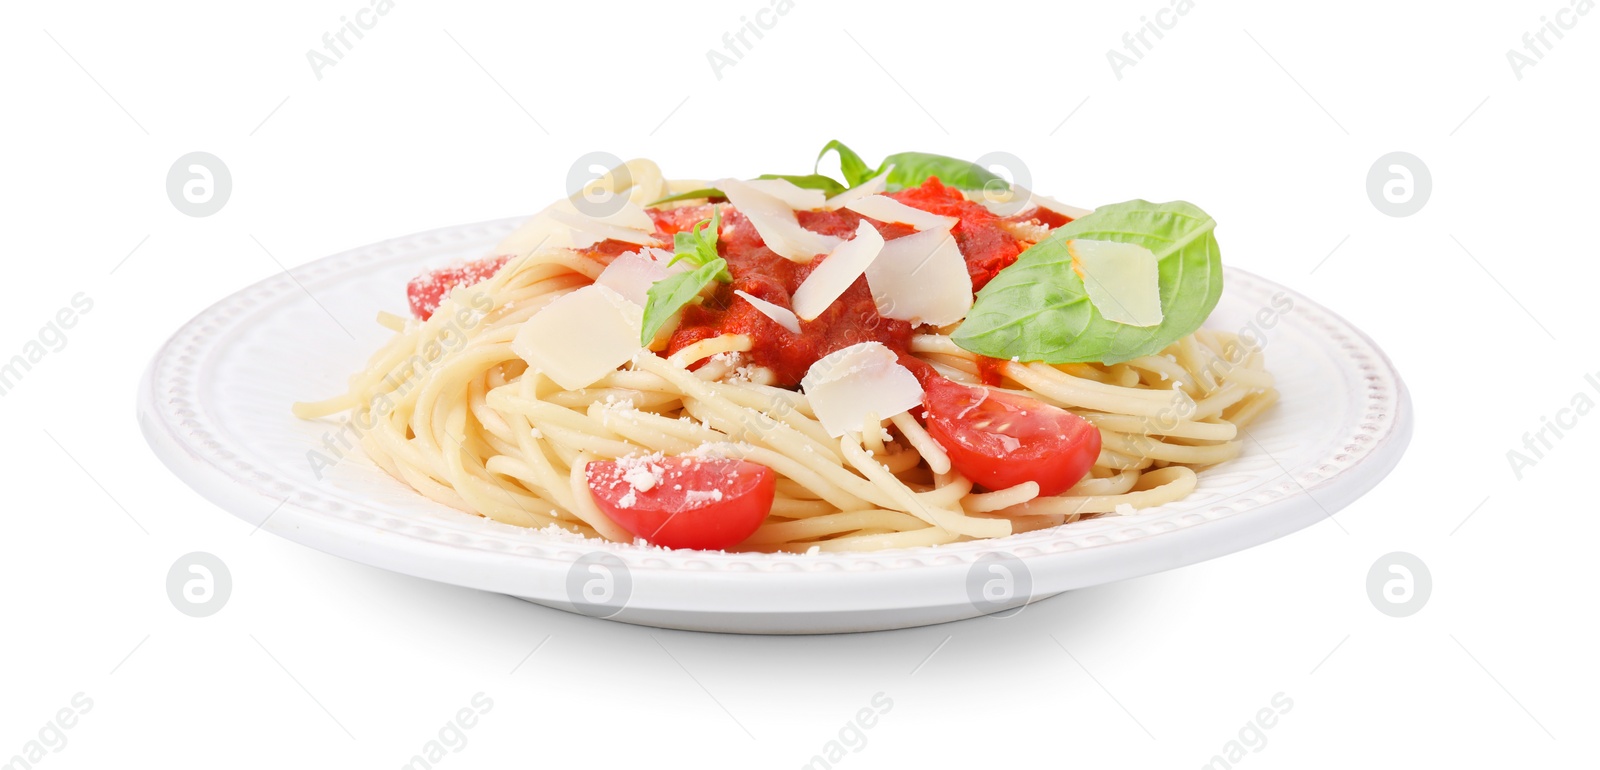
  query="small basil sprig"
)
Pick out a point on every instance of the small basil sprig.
point(911, 169)
point(906, 169)
point(827, 184)
point(855, 169)
point(669, 295)
point(1037, 309)
point(699, 245)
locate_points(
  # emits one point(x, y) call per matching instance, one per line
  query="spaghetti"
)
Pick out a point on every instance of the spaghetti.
point(456, 414)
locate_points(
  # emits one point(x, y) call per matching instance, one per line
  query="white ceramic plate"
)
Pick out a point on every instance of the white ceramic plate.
point(214, 405)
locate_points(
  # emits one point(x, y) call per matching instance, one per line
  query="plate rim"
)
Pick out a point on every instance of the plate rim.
point(833, 580)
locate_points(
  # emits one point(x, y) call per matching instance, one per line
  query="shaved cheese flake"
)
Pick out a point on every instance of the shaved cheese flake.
point(615, 211)
point(1051, 204)
point(841, 268)
point(784, 316)
point(588, 230)
point(1123, 280)
point(1019, 199)
point(921, 278)
point(776, 223)
point(847, 385)
point(538, 233)
point(632, 274)
point(886, 209)
point(561, 225)
point(581, 337)
point(873, 186)
point(792, 195)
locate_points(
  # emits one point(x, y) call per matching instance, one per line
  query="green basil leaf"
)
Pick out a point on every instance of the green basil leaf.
point(699, 244)
point(911, 169)
point(1037, 309)
point(827, 184)
point(855, 169)
point(685, 246)
point(704, 192)
point(671, 294)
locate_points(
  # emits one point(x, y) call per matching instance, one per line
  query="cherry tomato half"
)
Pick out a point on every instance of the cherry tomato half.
point(426, 291)
point(1000, 440)
point(710, 503)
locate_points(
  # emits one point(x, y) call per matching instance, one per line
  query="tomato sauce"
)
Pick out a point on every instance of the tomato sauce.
point(987, 247)
point(761, 273)
point(985, 244)
point(851, 319)
point(989, 370)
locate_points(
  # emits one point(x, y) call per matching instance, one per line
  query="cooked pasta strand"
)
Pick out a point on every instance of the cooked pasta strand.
point(448, 408)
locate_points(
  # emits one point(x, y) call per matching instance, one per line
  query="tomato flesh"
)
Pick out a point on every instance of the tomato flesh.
point(1000, 440)
point(708, 503)
point(426, 291)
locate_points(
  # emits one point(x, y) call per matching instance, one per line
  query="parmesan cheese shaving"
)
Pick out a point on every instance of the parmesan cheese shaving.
point(921, 278)
point(588, 230)
point(886, 209)
point(841, 268)
point(1123, 280)
point(581, 336)
point(538, 233)
point(776, 223)
point(1051, 204)
point(793, 195)
point(848, 385)
point(632, 274)
point(784, 316)
point(873, 186)
point(561, 225)
point(628, 214)
point(1020, 199)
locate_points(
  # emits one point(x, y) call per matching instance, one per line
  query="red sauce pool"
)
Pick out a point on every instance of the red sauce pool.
point(853, 318)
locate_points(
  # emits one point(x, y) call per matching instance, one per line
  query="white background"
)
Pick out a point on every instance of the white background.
point(1269, 115)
